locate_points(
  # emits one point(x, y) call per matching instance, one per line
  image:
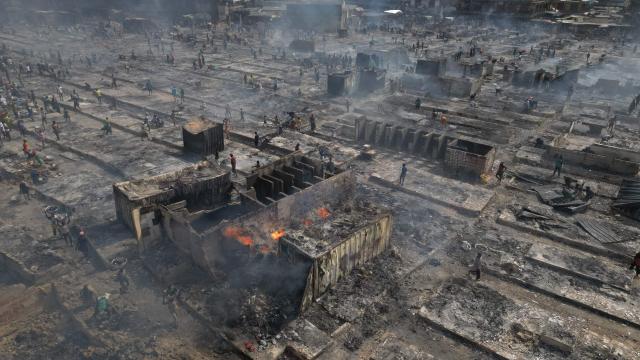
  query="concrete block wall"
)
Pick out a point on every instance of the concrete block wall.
point(615, 152)
point(415, 141)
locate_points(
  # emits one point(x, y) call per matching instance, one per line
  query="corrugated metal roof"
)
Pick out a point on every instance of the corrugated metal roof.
point(628, 195)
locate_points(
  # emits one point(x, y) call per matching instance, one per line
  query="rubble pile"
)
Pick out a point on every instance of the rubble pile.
point(459, 296)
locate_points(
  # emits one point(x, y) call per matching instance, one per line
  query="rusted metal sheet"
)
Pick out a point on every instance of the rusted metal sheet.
point(360, 247)
point(599, 231)
point(363, 245)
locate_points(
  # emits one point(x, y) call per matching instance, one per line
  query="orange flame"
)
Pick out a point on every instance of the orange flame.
point(276, 235)
point(245, 240)
point(237, 233)
point(323, 213)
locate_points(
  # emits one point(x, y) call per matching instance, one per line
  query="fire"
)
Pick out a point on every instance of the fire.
point(276, 235)
point(237, 233)
point(323, 213)
point(245, 240)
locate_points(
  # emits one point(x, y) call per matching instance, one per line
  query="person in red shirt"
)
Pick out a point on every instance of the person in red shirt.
point(25, 147)
point(636, 264)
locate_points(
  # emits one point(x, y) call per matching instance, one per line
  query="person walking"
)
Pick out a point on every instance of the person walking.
point(170, 298)
point(24, 190)
point(227, 111)
point(557, 164)
point(98, 94)
point(500, 172)
point(403, 173)
point(82, 244)
point(43, 117)
point(232, 159)
point(56, 129)
point(475, 268)
point(635, 265)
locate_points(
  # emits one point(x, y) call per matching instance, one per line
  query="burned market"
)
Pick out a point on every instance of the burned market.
point(319, 179)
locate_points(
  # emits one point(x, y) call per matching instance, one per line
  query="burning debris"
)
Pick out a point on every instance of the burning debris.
point(237, 233)
point(323, 213)
point(257, 242)
point(276, 235)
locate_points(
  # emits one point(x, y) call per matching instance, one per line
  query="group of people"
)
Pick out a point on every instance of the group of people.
point(61, 227)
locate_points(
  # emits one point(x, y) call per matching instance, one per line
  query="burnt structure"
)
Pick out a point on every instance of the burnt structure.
point(339, 84)
point(302, 45)
point(466, 157)
point(286, 176)
point(308, 239)
point(522, 8)
point(461, 155)
point(442, 86)
point(628, 199)
point(431, 67)
point(138, 201)
point(370, 80)
point(203, 136)
point(328, 17)
point(439, 78)
point(139, 25)
point(370, 75)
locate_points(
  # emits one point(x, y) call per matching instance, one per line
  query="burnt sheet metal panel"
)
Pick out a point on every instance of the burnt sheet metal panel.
point(361, 246)
point(628, 199)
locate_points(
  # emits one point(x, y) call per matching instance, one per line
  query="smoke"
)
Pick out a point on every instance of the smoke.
point(164, 11)
point(624, 70)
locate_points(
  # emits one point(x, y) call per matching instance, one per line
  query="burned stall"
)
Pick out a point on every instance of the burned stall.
point(202, 136)
point(138, 201)
point(466, 157)
point(420, 142)
point(287, 176)
point(339, 84)
point(292, 250)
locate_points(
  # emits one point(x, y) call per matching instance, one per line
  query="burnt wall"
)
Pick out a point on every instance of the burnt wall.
point(594, 161)
point(216, 249)
point(360, 247)
point(206, 142)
